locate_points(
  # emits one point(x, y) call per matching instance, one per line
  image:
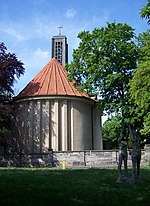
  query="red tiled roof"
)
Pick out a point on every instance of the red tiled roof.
point(51, 80)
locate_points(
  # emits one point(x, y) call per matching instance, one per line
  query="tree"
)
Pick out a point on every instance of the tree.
point(111, 131)
point(140, 83)
point(10, 69)
point(103, 64)
point(145, 12)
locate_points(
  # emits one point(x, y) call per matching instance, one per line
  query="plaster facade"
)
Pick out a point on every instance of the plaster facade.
point(42, 123)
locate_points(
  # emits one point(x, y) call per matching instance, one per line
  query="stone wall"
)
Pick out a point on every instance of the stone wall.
point(104, 158)
point(147, 154)
point(20, 160)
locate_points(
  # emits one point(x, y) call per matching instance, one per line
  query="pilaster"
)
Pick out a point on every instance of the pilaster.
point(97, 129)
point(64, 126)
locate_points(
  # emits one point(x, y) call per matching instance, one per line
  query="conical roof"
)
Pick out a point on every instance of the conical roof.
point(51, 80)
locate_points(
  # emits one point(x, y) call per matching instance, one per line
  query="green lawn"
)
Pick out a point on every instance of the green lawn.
point(38, 187)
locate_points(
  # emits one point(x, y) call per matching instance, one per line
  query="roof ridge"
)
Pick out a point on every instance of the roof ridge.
point(67, 81)
point(55, 78)
point(60, 76)
point(70, 83)
point(43, 77)
point(49, 80)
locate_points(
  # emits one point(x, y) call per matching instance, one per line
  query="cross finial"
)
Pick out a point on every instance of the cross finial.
point(59, 27)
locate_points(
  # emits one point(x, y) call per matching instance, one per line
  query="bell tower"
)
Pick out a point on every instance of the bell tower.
point(60, 48)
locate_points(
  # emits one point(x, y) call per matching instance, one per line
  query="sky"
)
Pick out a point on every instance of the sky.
point(27, 26)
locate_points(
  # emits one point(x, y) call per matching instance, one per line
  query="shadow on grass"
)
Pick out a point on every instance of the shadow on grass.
point(22, 186)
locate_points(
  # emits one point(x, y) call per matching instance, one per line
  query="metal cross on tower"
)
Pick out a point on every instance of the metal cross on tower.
point(59, 27)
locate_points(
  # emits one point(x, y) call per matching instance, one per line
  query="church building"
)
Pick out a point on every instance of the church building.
point(51, 114)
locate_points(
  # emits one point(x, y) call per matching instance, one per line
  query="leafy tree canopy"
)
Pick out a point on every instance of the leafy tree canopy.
point(111, 131)
point(10, 70)
point(140, 83)
point(103, 64)
point(145, 12)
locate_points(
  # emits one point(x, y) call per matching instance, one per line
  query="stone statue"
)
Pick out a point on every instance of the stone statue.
point(123, 156)
point(136, 157)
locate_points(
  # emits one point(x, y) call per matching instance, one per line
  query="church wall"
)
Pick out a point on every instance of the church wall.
point(65, 125)
point(42, 124)
point(82, 126)
point(54, 125)
point(36, 123)
point(97, 129)
point(45, 119)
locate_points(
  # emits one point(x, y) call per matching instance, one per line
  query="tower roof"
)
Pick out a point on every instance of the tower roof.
point(51, 80)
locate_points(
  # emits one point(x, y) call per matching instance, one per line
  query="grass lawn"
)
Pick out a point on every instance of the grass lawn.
point(38, 187)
